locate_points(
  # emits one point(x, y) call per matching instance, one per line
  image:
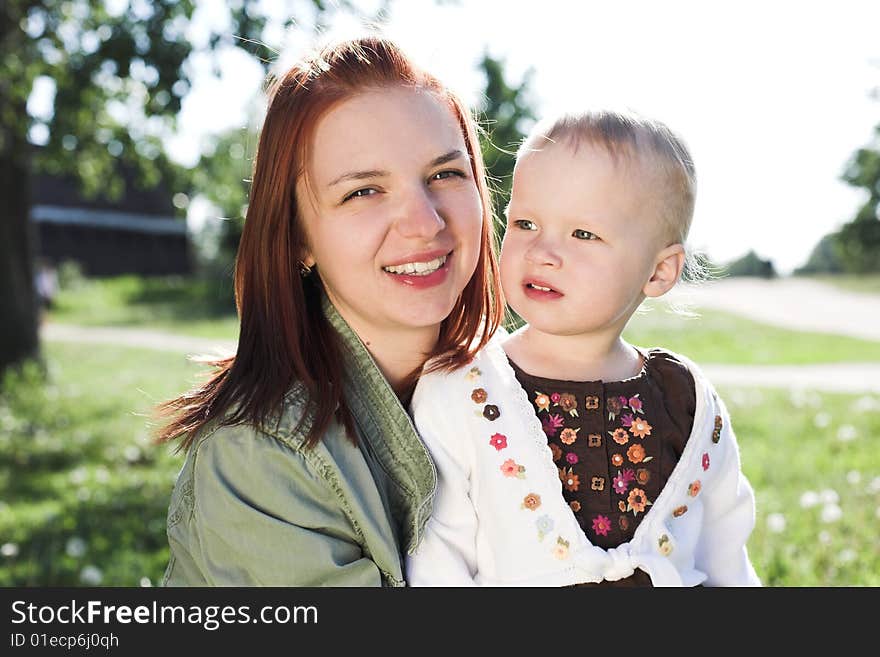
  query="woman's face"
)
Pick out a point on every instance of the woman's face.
point(391, 211)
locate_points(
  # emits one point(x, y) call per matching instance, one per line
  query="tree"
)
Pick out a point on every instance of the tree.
point(824, 258)
point(858, 241)
point(750, 265)
point(119, 73)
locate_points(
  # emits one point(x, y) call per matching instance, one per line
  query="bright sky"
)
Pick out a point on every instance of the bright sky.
point(772, 97)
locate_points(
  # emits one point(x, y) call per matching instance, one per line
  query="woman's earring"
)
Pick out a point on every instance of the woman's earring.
point(304, 269)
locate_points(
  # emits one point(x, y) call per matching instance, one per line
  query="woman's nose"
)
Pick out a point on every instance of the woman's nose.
point(419, 216)
point(542, 252)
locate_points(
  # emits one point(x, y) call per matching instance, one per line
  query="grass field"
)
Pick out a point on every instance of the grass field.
point(84, 493)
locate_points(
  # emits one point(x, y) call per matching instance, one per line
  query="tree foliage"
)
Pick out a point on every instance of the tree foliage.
point(751, 264)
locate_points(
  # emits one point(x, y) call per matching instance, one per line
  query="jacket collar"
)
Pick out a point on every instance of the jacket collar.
point(388, 429)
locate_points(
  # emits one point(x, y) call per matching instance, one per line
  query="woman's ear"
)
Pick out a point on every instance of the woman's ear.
point(667, 270)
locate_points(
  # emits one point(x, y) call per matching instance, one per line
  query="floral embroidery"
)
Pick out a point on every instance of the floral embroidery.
point(621, 482)
point(498, 441)
point(617, 460)
point(555, 397)
point(716, 434)
point(473, 374)
point(491, 412)
point(568, 436)
point(479, 395)
point(626, 420)
point(636, 404)
point(594, 440)
point(531, 501)
point(643, 476)
point(575, 506)
point(613, 405)
point(623, 522)
point(560, 550)
point(568, 403)
point(620, 436)
point(511, 468)
point(640, 428)
point(601, 525)
point(591, 402)
point(637, 501)
point(622, 506)
point(569, 480)
point(597, 483)
point(542, 401)
point(544, 525)
point(664, 545)
point(556, 450)
point(571, 458)
point(679, 511)
point(636, 453)
point(550, 424)
point(694, 488)
point(705, 460)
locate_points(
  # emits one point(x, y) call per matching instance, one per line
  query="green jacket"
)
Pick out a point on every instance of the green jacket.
point(253, 507)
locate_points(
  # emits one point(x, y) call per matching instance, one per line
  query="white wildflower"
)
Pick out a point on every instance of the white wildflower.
point(776, 523)
point(91, 576)
point(853, 477)
point(846, 433)
point(9, 549)
point(822, 420)
point(831, 513)
point(809, 499)
point(145, 582)
point(76, 547)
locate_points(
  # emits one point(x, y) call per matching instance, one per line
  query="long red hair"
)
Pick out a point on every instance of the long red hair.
point(284, 337)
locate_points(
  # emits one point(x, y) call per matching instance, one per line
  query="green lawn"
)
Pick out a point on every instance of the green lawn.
point(869, 283)
point(85, 493)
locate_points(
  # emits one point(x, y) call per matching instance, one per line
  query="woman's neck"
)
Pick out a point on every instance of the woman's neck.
point(398, 353)
point(585, 357)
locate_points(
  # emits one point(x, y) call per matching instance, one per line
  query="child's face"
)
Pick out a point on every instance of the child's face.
point(580, 228)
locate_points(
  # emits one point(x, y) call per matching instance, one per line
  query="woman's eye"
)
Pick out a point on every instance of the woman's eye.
point(359, 193)
point(525, 224)
point(442, 175)
point(581, 234)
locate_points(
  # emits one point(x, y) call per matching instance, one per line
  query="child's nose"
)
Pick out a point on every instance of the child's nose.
point(542, 252)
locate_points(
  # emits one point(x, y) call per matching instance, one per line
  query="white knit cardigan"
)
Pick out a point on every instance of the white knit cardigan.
point(491, 527)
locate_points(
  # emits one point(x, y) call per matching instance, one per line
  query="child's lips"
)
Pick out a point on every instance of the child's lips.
point(540, 290)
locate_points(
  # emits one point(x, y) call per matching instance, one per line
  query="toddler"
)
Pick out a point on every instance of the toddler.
point(565, 455)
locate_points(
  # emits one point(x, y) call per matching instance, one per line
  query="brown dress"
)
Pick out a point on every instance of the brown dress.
point(615, 443)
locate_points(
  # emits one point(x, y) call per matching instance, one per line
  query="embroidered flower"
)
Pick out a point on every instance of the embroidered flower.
point(575, 505)
point(636, 404)
point(637, 501)
point(643, 476)
point(568, 436)
point(555, 397)
point(716, 434)
point(705, 460)
point(694, 488)
point(623, 522)
point(479, 395)
point(626, 419)
point(571, 457)
point(664, 545)
point(556, 451)
point(679, 511)
point(621, 482)
point(601, 525)
point(531, 501)
point(622, 506)
point(617, 460)
point(498, 441)
point(544, 525)
point(511, 468)
point(568, 403)
point(640, 428)
point(636, 453)
point(597, 483)
point(570, 481)
point(550, 424)
point(542, 401)
point(620, 436)
point(591, 402)
point(560, 550)
point(613, 405)
point(594, 440)
point(473, 374)
point(491, 412)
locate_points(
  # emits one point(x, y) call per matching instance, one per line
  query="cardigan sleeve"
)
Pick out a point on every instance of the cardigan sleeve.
point(255, 513)
point(729, 515)
point(446, 554)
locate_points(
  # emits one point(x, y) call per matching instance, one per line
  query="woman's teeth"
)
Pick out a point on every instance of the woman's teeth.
point(417, 268)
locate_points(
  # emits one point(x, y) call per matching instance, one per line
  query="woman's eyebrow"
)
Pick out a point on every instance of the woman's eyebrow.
point(448, 157)
point(378, 173)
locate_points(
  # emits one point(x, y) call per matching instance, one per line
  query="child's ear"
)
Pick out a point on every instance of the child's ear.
point(667, 270)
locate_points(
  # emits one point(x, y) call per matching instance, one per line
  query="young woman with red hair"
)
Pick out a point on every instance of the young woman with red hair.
point(367, 250)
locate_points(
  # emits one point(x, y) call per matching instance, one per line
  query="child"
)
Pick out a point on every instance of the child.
point(565, 455)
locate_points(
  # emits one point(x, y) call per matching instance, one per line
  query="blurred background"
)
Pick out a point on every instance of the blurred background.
point(127, 131)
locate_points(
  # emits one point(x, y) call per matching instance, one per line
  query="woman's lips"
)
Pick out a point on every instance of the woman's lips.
point(437, 277)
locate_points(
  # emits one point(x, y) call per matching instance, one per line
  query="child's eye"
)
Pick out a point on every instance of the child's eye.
point(582, 234)
point(360, 193)
point(449, 173)
point(525, 224)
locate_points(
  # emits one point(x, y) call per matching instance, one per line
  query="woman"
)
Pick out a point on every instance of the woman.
point(367, 250)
